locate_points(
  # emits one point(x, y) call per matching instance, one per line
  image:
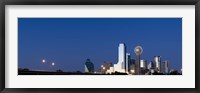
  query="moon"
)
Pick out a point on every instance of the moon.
point(53, 64)
point(43, 61)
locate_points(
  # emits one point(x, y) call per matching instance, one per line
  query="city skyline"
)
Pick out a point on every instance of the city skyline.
point(131, 66)
point(96, 39)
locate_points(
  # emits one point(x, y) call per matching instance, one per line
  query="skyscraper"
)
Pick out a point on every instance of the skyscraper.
point(143, 66)
point(89, 66)
point(120, 66)
point(151, 65)
point(157, 60)
point(128, 61)
point(165, 67)
point(138, 51)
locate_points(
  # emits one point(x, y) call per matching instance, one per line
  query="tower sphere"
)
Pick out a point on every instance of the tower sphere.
point(138, 50)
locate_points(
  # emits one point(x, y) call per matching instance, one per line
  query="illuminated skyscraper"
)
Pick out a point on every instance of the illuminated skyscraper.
point(120, 66)
point(157, 60)
point(143, 66)
point(89, 66)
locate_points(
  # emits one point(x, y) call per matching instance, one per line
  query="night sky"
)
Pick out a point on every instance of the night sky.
point(68, 42)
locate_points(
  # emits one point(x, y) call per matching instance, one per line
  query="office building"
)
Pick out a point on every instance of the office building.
point(128, 61)
point(89, 66)
point(143, 66)
point(120, 66)
point(151, 65)
point(157, 60)
point(165, 67)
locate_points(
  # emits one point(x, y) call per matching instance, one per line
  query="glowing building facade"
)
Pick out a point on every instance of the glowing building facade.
point(121, 65)
point(132, 69)
point(157, 60)
point(143, 66)
point(105, 66)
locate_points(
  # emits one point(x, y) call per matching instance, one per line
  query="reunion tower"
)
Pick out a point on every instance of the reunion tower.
point(138, 51)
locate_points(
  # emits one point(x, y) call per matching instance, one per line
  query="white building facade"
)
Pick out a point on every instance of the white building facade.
point(157, 60)
point(143, 64)
point(120, 66)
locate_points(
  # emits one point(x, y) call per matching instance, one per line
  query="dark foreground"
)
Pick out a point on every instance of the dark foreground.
point(53, 73)
point(31, 72)
point(60, 72)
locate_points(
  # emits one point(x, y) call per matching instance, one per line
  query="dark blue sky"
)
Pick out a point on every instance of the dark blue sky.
point(70, 41)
